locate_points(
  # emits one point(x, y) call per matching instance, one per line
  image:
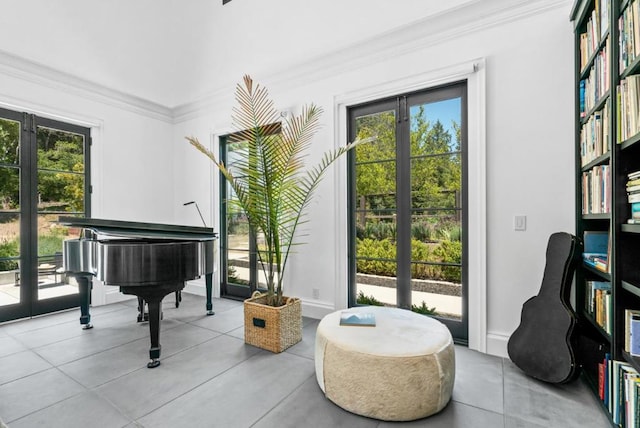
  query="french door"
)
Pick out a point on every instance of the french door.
point(240, 270)
point(407, 203)
point(44, 173)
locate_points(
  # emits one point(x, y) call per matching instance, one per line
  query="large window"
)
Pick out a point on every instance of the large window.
point(408, 204)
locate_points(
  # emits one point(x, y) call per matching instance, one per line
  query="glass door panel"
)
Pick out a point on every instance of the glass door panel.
point(10, 219)
point(238, 272)
point(61, 191)
point(375, 209)
point(436, 206)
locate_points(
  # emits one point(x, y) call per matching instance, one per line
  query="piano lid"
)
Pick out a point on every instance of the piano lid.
point(118, 228)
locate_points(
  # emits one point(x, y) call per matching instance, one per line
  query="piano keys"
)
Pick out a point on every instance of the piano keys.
point(147, 260)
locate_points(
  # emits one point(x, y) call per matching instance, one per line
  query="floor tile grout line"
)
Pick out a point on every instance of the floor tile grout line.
point(144, 366)
point(282, 400)
point(198, 385)
point(21, 320)
point(26, 376)
point(57, 402)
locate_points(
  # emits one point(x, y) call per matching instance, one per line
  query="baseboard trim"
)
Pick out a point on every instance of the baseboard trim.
point(316, 309)
point(497, 344)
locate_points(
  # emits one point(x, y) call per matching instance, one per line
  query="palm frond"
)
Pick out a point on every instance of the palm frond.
point(270, 181)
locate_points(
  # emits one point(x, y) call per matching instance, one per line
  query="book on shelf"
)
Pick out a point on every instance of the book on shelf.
point(633, 221)
point(598, 303)
point(596, 241)
point(633, 182)
point(596, 260)
point(633, 176)
point(623, 378)
point(631, 326)
point(361, 319)
point(601, 376)
point(607, 379)
point(635, 210)
point(634, 197)
point(596, 85)
point(628, 107)
point(632, 388)
point(594, 136)
point(596, 190)
point(634, 336)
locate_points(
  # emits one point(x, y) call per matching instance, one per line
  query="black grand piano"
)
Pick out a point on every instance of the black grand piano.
point(147, 260)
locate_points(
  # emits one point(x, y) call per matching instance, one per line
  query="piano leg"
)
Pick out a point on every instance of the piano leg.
point(209, 284)
point(153, 295)
point(154, 330)
point(84, 291)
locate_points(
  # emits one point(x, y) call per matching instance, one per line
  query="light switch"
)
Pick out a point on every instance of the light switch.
point(520, 222)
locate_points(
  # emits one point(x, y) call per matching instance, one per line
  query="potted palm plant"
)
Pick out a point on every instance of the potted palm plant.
point(273, 188)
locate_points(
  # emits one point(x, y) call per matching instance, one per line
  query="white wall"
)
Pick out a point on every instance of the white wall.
point(529, 143)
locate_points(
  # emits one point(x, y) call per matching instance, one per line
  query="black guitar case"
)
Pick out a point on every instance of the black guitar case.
point(543, 345)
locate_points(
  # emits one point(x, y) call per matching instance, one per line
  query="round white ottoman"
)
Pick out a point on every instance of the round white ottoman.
point(400, 370)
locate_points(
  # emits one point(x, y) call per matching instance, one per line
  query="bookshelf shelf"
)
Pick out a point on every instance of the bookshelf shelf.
point(599, 104)
point(630, 141)
point(585, 71)
point(600, 160)
point(631, 69)
point(630, 228)
point(606, 336)
point(607, 107)
point(631, 288)
point(601, 216)
point(601, 275)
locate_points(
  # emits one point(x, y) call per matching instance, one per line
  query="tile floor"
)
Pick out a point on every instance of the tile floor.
point(53, 374)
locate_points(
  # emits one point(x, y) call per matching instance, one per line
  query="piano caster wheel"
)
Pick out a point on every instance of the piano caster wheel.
point(210, 313)
point(87, 326)
point(153, 363)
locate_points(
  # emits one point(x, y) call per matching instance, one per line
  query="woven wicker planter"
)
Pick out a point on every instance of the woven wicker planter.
point(272, 328)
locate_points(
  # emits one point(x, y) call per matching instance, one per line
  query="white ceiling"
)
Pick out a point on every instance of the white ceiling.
point(173, 51)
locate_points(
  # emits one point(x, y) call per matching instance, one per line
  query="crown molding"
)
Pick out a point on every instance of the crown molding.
point(21, 68)
point(468, 18)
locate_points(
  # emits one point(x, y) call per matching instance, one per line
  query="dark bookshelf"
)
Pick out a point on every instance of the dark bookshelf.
point(622, 158)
